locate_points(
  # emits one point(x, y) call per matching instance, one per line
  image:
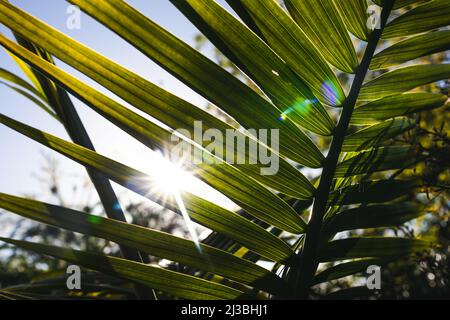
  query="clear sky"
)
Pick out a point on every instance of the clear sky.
point(21, 157)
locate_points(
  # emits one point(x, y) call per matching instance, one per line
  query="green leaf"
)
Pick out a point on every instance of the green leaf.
point(411, 48)
point(287, 91)
point(330, 36)
point(402, 80)
point(400, 3)
point(177, 284)
point(287, 39)
point(5, 295)
point(177, 113)
point(27, 71)
point(378, 159)
point(246, 192)
point(33, 99)
point(12, 78)
point(288, 179)
point(153, 100)
point(395, 106)
point(352, 293)
point(372, 192)
point(375, 135)
point(25, 89)
point(375, 216)
point(60, 284)
point(432, 15)
point(202, 211)
point(257, 201)
point(197, 20)
point(59, 100)
point(346, 269)
point(199, 73)
point(242, 12)
point(354, 14)
point(154, 242)
point(373, 247)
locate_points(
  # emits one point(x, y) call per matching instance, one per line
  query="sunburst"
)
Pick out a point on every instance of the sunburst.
point(167, 180)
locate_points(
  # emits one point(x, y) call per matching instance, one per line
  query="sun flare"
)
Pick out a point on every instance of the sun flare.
point(168, 180)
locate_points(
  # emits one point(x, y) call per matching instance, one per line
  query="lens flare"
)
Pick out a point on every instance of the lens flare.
point(168, 180)
point(301, 107)
point(330, 90)
point(94, 219)
point(187, 219)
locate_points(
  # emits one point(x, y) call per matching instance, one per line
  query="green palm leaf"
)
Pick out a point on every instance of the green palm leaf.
point(146, 240)
point(400, 3)
point(206, 213)
point(377, 159)
point(288, 40)
point(373, 191)
point(375, 135)
point(330, 36)
point(354, 14)
point(295, 53)
point(412, 48)
point(374, 216)
point(225, 25)
point(221, 176)
point(432, 15)
point(175, 283)
point(346, 269)
point(402, 80)
point(153, 100)
point(374, 247)
point(395, 106)
point(239, 101)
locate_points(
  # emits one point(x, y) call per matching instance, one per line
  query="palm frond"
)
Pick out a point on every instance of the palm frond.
point(296, 55)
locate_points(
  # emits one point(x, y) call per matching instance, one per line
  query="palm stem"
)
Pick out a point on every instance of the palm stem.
point(308, 262)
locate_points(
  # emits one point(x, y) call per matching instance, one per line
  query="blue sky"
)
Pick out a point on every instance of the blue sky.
point(21, 157)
